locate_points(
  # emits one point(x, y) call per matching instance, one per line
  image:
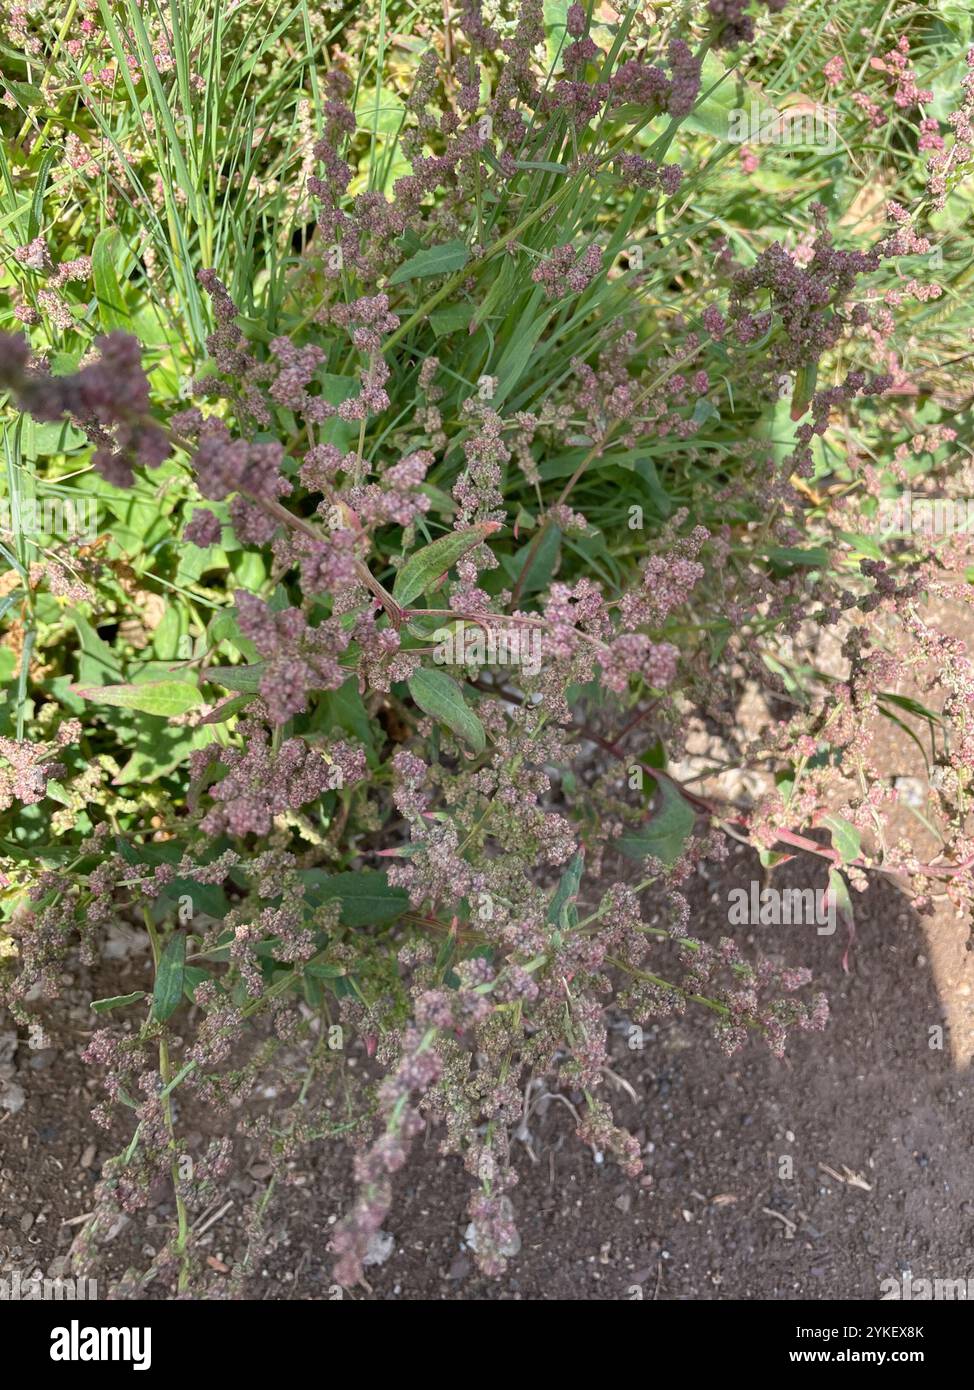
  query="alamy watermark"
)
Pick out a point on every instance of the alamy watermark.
point(469, 644)
point(18, 1288)
point(925, 516)
point(776, 907)
point(77, 1343)
point(907, 1289)
point(45, 519)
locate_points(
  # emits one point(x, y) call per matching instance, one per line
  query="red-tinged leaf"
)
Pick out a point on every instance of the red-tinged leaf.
point(839, 899)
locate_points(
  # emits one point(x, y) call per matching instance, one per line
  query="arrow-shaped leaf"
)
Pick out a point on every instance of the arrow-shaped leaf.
point(434, 260)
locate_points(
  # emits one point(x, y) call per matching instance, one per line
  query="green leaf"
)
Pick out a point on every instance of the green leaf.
point(56, 437)
point(336, 389)
point(160, 748)
point(556, 31)
point(910, 705)
point(645, 470)
point(245, 678)
point(37, 205)
point(805, 379)
point(224, 627)
point(345, 709)
point(520, 350)
point(499, 297)
point(561, 908)
point(322, 970)
point(543, 561)
point(655, 755)
point(97, 661)
point(785, 556)
point(193, 977)
point(444, 959)
point(665, 835)
point(367, 898)
point(168, 989)
point(428, 564)
point(862, 545)
point(57, 793)
point(451, 319)
point(206, 897)
point(846, 839)
point(379, 111)
point(722, 94)
point(236, 704)
point(116, 1001)
point(434, 260)
point(108, 253)
point(840, 899)
point(770, 858)
point(439, 696)
point(26, 93)
point(161, 698)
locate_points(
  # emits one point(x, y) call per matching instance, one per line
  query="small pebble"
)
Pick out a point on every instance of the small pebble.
point(12, 1098)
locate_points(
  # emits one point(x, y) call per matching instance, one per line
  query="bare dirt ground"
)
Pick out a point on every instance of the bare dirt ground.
point(877, 1124)
point(815, 1177)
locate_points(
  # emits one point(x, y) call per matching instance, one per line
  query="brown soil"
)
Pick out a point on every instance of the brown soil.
point(877, 1124)
point(811, 1178)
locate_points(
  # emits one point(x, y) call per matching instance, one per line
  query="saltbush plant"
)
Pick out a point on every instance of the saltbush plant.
point(464, 410)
